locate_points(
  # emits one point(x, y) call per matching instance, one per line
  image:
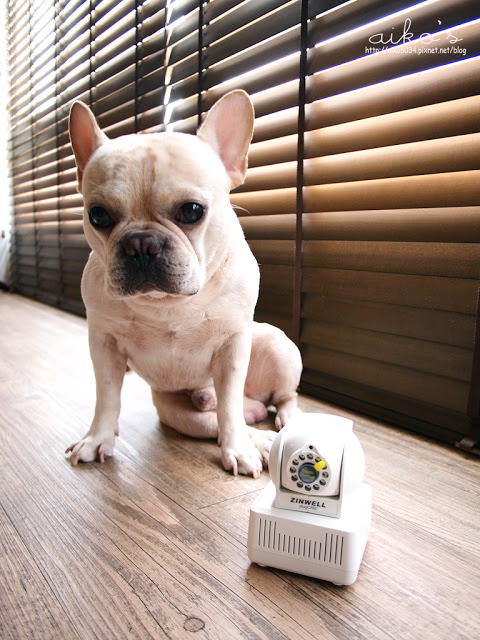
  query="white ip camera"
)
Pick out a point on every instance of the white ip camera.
point(314, 516)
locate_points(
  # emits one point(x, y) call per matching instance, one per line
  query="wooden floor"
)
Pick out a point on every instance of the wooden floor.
point(152, 544)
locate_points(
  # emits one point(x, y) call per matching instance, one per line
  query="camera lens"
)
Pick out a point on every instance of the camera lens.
point(307, 473)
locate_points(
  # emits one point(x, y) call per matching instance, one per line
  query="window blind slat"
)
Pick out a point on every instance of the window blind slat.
point(440, 360)
point(405, 28)
point(444, 393)
point(447, 189)
point(447, 294)
point(442, 224)
point(391, 63)
point(445, 119)
point(264, 23)
point(450, 82)
point(449, 260)
point(459, 153)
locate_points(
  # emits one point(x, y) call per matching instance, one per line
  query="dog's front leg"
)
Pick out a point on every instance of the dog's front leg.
point(229, 369)
point(109, 366)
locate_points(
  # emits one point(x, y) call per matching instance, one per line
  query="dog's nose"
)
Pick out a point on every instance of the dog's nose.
point(142, 242)
point(142, 245)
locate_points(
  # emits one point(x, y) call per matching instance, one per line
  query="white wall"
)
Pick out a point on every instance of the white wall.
point(4, 173)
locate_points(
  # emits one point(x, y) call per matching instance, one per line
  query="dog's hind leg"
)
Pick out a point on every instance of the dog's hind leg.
point(205, 399)
point(186, 413)
point(176, 410)
point(274, 371)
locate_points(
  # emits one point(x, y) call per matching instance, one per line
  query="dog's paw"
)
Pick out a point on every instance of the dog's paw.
point(262, 439)
point(91, 448)
point(284, 414)
point(240, 455)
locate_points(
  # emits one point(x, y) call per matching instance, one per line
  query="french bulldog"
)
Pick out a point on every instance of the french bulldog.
point(171, 285)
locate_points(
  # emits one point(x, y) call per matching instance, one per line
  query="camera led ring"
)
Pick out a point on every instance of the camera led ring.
point(309, 470)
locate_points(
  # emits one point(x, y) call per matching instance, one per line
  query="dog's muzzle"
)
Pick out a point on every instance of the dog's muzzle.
point(151, 261)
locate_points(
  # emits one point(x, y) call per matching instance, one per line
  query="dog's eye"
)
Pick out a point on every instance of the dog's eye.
point(189, 213)
point(100, 218)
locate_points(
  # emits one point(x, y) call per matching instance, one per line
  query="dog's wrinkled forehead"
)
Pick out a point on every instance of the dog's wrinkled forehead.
point(163, 165)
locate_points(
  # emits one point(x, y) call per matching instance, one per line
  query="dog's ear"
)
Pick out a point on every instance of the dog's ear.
point(85, 136)
point(228, 128)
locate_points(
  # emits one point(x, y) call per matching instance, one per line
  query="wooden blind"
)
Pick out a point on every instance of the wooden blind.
point(361, 203)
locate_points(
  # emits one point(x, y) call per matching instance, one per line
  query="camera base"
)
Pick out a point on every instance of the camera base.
point(307, 543)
